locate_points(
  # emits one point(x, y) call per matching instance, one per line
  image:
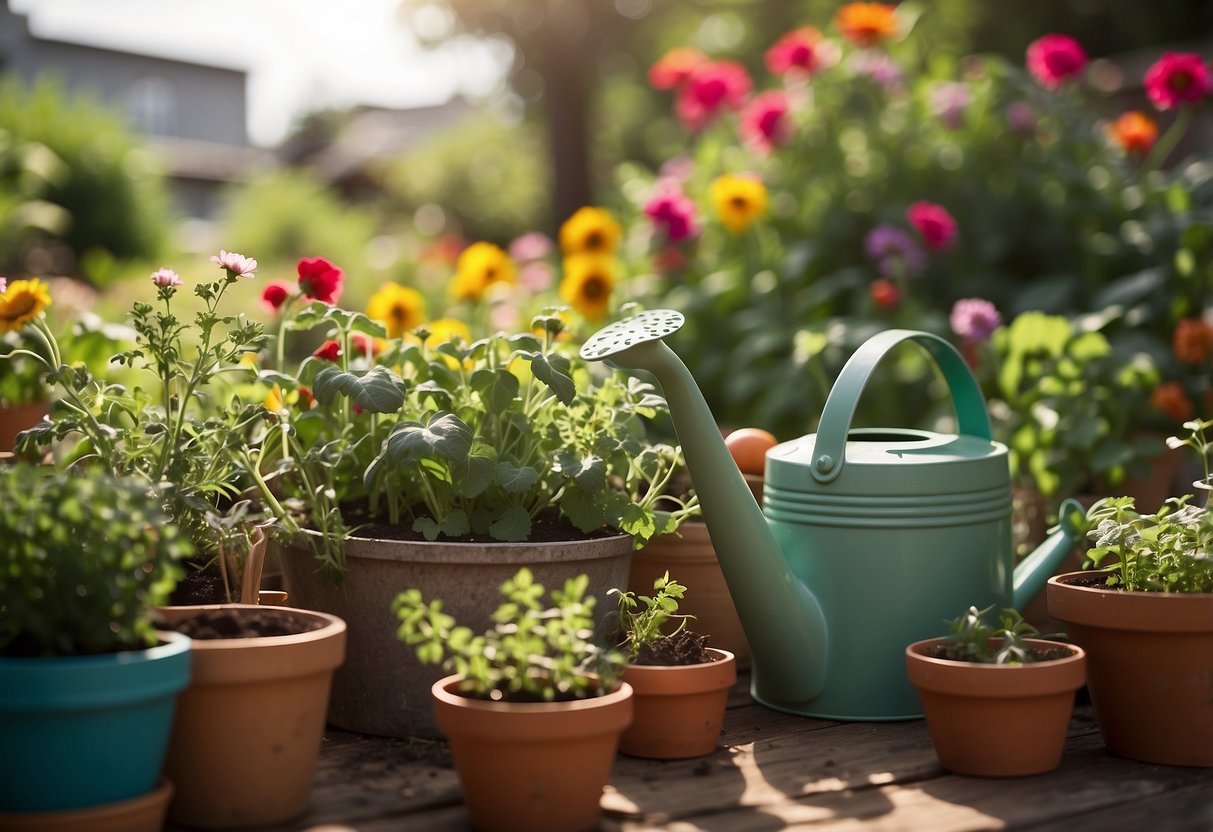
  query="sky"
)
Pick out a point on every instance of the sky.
point(301, 55)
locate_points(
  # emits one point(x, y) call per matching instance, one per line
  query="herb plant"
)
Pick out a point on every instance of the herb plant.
point(641, 619)
point(973, 640)
point(532, 653)
point(85, 557)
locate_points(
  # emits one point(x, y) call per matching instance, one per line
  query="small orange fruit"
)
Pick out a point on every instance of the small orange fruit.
point(749, 448)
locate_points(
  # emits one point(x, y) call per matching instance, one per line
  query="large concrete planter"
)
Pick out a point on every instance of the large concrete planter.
point(383, 689)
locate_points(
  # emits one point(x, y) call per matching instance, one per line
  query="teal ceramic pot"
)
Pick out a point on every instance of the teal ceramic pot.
point(79, 731)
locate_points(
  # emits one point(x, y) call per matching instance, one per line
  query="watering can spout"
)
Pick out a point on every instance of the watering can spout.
point(1034, 570)
point(783, 622)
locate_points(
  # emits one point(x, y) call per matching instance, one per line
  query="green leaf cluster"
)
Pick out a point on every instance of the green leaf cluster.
point(533, 653)
point(642, 619)
point(972, 639)
point(85, 558)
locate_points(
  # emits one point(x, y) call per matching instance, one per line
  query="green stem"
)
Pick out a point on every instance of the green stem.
point(1163, 147)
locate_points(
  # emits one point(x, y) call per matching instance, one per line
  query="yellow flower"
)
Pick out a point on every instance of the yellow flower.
point(590, 231)
point(273, 399)
point(481, 265)
point(447, 329)
point(22, 301)
point(397, 307)
point(739, 200)
point(587, 284)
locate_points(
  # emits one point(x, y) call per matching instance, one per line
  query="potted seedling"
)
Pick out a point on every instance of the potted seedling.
point(534, 709)
point(87, 686)
point(1144, 614)
point(997, 700)
point(681, 686)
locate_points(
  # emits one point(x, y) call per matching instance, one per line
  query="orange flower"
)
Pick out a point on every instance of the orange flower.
point(1135, 131)
point(866, 24)
point(1192, 342)
point(1169, 398)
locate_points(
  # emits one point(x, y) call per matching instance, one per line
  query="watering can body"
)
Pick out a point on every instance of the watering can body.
point(867, 541)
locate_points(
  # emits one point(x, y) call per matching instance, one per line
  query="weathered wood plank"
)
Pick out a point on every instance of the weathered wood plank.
point(1189, 809)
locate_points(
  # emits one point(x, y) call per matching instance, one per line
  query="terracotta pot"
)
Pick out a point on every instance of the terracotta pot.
point(383, 688)
point(1149, 667)
point(16, 418)
point(691, 560)
point(994, 720)
point(679, 711)
point(539, 766)
point(248, 729)
point(140, 814)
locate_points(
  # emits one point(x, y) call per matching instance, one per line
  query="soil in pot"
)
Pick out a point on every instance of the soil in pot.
point(682, 648)
point(251, 624)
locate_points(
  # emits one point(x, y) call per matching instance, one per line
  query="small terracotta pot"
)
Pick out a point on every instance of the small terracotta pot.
point(248, 729)
point(689, 557)
point(539, 766)
point(139, 814)
point(997, 720)
point(1149, 667)
point(679, 711)
point(17, 418)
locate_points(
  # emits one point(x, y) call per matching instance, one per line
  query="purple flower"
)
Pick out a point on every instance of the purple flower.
point(948, 100)
point(877, 66)
point(1021, 118)
point(894, 251)
point(237, 265)
point(974, 319)
point(166, 277)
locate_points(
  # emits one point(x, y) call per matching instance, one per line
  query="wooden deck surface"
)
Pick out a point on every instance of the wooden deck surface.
point(775, 771)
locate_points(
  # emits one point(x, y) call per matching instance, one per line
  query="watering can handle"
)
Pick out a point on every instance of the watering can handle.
point(830, 448)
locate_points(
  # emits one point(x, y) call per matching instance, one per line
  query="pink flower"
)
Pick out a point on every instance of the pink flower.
point(949, 100)
point(236, 265)
point(933, 223)
point(1021, 118)
point(531, 246)
point(764, 121)
point(163, 277)
point(880, 68)
point(1177, 78)
point(974, 319)
point(796, 50)
point(329, 351)
point(276, 293)
point(675, 67)
point(536, 275)
point(712, 88)
point(1054, 59)
point(672, 212)
point(320, 280)
point(3, 284)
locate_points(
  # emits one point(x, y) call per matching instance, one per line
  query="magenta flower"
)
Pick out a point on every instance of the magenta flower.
point(1177, 78)
point(1055, 59)
point(894, 252)
point(237, 265)
point(949, 100)
point(672, 212)
point(712, 88)
point(933, 223)
point(166, 277)
point(974, 319)
point(533, 245)
point(796, 50)
point(764, 121)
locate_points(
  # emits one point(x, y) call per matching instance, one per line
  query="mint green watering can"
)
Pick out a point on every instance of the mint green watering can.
point(871, 539)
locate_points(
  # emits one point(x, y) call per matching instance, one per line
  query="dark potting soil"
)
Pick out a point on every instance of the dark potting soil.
point(547, 527)
point(940, 651)
point(244, 624)
point(202, 584)
point(682, 648)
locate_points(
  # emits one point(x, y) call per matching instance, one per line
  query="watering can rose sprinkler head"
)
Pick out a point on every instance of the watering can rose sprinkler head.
point(783, 622)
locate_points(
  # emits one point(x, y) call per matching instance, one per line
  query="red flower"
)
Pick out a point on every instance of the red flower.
point(320, 280)
point(329, 351)
point(364, 344)
point(1054, 59)
point(764, 121)
point(306, 398)
point(934, 223)
point(275, 294)
point(885, 294)
point(670, 259)
point(1192, 341)
point(796, 50)
point(712, 88)
point(1170, 398)
point(1177, 78)
point(675, 67)
point(1135, 131)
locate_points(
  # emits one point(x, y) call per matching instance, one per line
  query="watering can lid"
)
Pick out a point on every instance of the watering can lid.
point(897, 461)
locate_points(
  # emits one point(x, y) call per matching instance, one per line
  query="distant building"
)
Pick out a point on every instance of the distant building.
point(194, 116)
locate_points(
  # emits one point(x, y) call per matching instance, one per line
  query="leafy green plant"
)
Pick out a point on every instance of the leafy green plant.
point(85, 558)
point(493, 440)
point(532, 653)
point(642, 619)
point(974, 640)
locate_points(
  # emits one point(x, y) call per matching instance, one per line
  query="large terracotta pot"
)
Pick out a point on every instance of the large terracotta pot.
point(679, 710)
point(248, 729)
point(691, 560)
point(996, 720)
point(383, 689)
point(538, 766)
point(1149, 667)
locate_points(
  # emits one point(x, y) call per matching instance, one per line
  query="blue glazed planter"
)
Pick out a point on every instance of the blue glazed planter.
point(81, 731)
